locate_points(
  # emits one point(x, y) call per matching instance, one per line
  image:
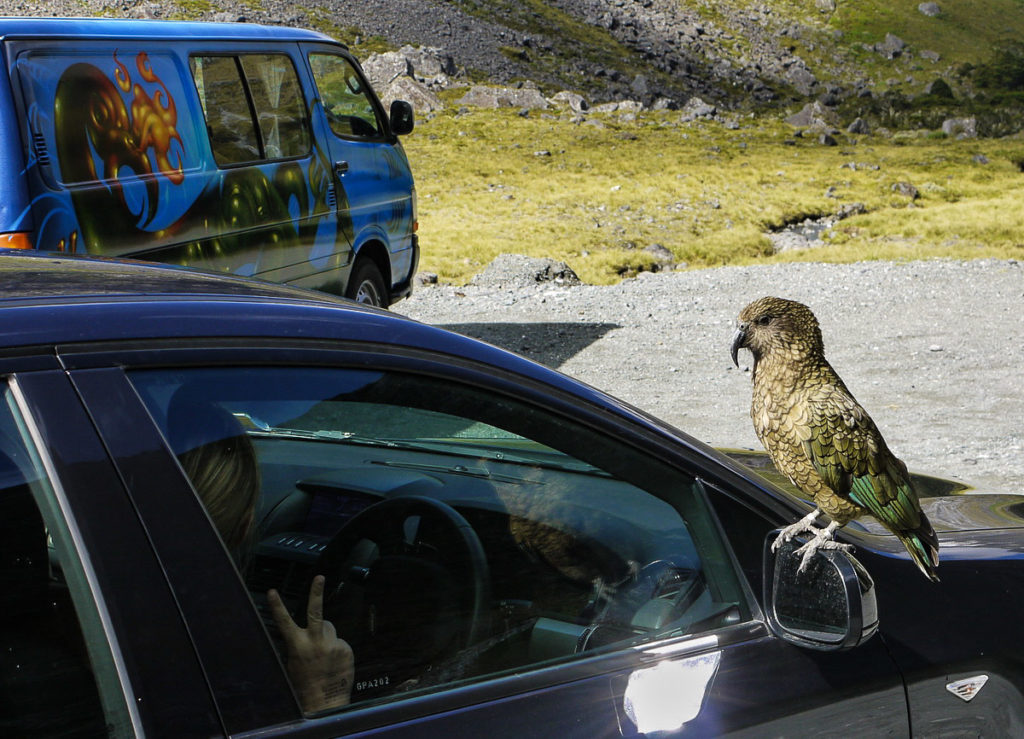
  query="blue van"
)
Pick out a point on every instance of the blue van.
point(257, 150)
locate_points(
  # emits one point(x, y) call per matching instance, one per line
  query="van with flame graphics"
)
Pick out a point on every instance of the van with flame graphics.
point(257, 150)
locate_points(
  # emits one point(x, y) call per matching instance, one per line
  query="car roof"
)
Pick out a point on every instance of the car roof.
point(149, 29)
point(48, 300)
point(71, 304)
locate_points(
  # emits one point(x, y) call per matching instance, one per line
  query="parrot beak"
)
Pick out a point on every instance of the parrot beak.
point(739, 341)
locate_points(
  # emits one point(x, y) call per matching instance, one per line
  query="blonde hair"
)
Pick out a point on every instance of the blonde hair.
point(220, 461)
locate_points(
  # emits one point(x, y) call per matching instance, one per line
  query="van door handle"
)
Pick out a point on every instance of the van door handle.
point(340, 168)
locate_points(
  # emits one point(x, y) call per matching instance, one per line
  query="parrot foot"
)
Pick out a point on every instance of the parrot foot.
point(804, 526)
point(822, 539)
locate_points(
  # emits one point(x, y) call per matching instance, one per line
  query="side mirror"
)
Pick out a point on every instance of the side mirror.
point(401, 118)
point(830, 606)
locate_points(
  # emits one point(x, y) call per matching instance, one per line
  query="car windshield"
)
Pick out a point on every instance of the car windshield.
point(417, 429)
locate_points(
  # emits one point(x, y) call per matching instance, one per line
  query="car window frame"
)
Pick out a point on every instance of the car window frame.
point(125, 590)
point(248, 685)
point(118, 358)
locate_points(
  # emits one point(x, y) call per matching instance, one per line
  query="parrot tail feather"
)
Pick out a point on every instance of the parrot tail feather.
point(923, 546)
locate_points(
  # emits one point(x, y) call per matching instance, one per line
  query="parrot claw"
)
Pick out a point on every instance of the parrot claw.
point(804, 526)
point(822, 540)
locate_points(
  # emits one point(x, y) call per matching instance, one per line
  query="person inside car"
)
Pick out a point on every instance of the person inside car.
point(220, 460)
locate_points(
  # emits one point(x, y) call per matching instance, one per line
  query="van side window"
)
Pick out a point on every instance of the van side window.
point(253, 106)
point(345, 96)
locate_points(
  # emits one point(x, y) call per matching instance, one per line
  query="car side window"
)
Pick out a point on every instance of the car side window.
point(54, 659)
point(234, 89)
point(462, 533)
point(345, 96)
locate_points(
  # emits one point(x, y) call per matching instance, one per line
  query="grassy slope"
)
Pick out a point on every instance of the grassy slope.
point(708, 194)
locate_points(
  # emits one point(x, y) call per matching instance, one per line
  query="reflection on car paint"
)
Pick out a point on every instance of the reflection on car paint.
point(670, 694)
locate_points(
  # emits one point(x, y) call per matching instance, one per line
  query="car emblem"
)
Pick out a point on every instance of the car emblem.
point(967, 688)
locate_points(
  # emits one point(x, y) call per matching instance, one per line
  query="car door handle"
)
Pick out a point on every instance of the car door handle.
point(340, 168)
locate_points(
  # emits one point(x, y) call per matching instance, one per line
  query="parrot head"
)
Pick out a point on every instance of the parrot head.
point(776, 325)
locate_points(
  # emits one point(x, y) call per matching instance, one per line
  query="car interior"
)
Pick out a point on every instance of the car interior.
point(453, 545)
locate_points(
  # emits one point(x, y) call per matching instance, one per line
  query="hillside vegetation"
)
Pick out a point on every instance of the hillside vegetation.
point(597, 194)
point(603, 191)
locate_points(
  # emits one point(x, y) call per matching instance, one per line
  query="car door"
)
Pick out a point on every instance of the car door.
point(371, 170)
point(93, 643)
point(500, 557)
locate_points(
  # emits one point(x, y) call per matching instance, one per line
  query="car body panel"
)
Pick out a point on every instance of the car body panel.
point(74, 329)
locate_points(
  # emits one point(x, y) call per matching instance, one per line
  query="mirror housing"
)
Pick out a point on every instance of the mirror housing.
point(830, 606)
point(401, 116)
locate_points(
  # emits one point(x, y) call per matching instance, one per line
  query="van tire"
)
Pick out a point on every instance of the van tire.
point(366, 285)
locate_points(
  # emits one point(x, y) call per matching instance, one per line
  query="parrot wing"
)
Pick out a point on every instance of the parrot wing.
point(849, 454)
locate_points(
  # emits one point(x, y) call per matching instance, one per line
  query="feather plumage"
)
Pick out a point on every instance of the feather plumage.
point(819, 436)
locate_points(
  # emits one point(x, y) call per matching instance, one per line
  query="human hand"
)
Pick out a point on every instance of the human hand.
point(319, 663)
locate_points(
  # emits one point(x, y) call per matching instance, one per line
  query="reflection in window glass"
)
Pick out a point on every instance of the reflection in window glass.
point(462, 533)
point(229, 85)
point(279, 104)
point(345, 96)
point(224, 102)
point(53, 650)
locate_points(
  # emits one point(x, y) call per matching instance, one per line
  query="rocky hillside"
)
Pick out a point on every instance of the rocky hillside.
point(734, 53)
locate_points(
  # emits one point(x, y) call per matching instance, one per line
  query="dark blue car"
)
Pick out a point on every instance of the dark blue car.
point(235, 508)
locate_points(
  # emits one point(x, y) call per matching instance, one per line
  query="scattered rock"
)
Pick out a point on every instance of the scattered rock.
point(932, 56)
point(663, 257)
point(814, 116)
point(383, 69)
point(575, 102)
point(906, 190)
point(426, 278)
point(932, 10)
point(858, 126)
point(430, 63)
point(826, 139)
point(696, 108)
point(851, 209)
point(979, 159)
point(517, 270)
point(891, 47)
point(413, 92)
point(961, 128)
point(623, 106)
point(482, 96)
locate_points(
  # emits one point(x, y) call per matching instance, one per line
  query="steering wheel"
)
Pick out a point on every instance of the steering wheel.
point(407, 586)
point(657, 598)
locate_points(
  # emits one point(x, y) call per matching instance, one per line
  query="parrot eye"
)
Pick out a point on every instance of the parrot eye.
point(763, 320)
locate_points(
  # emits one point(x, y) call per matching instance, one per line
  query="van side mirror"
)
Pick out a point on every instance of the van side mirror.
point(401, 118)
point(830, 606)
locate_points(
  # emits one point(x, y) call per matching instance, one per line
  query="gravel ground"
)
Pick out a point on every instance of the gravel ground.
point(932, 349)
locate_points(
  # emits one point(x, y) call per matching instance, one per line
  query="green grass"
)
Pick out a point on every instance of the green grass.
point(603, 193)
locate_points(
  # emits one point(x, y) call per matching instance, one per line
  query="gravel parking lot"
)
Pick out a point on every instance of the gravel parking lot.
point(932, 349)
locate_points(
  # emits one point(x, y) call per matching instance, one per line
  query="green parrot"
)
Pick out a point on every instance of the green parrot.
point(820, 437)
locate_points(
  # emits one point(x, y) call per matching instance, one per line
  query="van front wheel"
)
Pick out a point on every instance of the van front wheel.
point(366, 285)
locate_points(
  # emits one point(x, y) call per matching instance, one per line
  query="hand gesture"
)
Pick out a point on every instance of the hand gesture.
point(319, 663)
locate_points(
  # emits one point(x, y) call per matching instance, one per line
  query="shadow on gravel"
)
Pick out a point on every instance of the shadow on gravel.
point(548, 343)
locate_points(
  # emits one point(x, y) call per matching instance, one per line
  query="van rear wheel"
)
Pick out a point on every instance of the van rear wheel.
point(366, 285)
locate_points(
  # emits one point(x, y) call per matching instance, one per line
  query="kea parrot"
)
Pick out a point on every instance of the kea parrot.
point(820, 437)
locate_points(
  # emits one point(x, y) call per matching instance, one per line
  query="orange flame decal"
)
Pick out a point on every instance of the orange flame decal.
point(153, 121)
